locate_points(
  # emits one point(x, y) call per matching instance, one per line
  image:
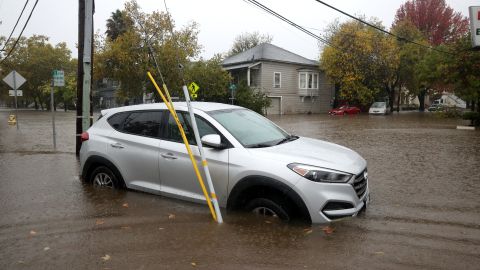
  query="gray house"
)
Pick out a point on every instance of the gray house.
point(293, 83)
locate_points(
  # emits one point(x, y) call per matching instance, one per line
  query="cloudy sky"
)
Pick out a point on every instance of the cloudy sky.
point(220, 21)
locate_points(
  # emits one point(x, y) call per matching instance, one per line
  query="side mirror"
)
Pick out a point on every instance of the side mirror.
point(212, 140)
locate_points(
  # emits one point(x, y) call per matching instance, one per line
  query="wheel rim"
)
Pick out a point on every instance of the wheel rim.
point(264, 211)
point(103, 180)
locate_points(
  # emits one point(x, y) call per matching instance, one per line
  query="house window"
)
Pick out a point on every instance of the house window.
point(277, 80)
point(308, 80)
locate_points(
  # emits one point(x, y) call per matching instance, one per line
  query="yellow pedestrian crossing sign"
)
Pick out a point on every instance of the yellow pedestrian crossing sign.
point(193, 89)
point(12, 120)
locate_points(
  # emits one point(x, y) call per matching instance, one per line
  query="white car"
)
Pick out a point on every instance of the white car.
point(379, 108)
point(255, 165)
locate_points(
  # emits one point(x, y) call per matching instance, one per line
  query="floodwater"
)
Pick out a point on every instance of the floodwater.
point(424, 214)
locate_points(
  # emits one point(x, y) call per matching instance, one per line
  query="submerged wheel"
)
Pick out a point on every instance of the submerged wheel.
point(269, 208)
point(103, 177)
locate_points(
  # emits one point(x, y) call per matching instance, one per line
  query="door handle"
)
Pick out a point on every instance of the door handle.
point(117, 145)
point(168, 156)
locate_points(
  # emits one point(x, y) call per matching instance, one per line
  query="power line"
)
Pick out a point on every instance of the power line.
point(19, 17)
point(19, 36)
point(271, 12)
point(381, 29)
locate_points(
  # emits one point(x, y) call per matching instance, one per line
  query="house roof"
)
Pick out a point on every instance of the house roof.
point(267, 52)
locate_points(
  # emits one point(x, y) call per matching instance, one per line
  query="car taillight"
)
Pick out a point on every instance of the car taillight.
point(84, 136)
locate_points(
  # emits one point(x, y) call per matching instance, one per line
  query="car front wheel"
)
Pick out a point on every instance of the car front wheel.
point(265, 207)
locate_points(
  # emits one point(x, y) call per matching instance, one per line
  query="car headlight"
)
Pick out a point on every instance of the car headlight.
point(317, 174)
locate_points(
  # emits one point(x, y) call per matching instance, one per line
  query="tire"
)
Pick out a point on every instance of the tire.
point(103, 177)
point(269, 208)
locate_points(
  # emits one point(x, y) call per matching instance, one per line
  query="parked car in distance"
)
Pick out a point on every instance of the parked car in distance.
point(436, 107)
point(344, 109)
point(255, 165)
point(379, 107)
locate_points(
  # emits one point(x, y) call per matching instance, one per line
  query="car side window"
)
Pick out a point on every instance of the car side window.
point(173, 133)
point(143, 123)
point(116, 120)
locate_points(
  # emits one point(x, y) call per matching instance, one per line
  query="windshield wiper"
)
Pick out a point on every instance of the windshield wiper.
point(259, 145)
point(289, 138)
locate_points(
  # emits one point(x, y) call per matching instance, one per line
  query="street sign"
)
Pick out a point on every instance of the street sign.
point(12, 120)
point(12, 93)
point(233, 87)
point(14, 79)
point(58, 78)
point(193, 89)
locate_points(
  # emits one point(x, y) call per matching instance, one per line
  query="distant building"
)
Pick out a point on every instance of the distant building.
point(105, 93)
point(293, 83)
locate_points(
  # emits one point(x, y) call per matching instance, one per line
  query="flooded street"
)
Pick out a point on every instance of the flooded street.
point(424, 178)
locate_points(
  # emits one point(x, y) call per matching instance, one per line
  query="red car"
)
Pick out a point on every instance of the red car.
point(345, 109)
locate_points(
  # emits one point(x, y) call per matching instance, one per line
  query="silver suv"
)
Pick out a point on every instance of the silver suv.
point(255, 165)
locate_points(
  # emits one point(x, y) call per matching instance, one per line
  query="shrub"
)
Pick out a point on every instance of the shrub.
point(474, 118)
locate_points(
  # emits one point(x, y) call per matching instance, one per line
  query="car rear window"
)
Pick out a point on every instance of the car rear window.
point(143, 123)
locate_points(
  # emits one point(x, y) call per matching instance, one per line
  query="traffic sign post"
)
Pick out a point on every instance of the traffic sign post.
point(58, 79)
point(232, 88)
point(15, 80)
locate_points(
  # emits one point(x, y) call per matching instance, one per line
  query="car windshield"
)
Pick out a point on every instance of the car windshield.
point(378, 105)
point(249, 128)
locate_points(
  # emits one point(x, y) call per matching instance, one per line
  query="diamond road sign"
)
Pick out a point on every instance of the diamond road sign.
point(58, 78)
point(14, 79)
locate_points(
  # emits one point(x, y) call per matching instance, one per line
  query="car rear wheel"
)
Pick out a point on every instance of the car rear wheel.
point(269, 208)
point(103, 177)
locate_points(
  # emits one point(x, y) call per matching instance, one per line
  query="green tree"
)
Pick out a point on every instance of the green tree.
point(126, 59)
point(211, 78)
point(252, 99)
point(411, 56)
point(362, 61)
point(118, 24)
point(462, 71)
point(247, 41)
point(35, 59)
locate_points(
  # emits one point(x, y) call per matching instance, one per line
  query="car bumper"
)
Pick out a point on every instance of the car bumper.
point(327, 202)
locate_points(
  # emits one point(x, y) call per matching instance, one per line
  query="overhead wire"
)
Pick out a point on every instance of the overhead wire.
point(20, 35)
point(15, 26)
point(283, 18)
point(381, 29)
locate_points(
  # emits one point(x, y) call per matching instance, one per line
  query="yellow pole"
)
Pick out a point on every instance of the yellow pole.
point(170, 107)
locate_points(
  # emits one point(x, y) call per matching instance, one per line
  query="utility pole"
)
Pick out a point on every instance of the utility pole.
point(84, 69)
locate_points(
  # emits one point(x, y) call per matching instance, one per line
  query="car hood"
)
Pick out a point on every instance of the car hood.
point(314, 152)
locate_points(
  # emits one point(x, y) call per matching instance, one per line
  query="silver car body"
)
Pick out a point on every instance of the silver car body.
point(163, 167)
point(379, 108)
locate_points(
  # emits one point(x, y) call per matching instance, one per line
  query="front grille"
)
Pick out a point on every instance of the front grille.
point(360, 183)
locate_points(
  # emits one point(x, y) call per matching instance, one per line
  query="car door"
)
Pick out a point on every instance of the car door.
point(134, 149)
point(177, 175)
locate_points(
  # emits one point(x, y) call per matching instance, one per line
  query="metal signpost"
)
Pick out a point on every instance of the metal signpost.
point(475, 26)
point(15, 80)
point(232, 88)
point(59, 81)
